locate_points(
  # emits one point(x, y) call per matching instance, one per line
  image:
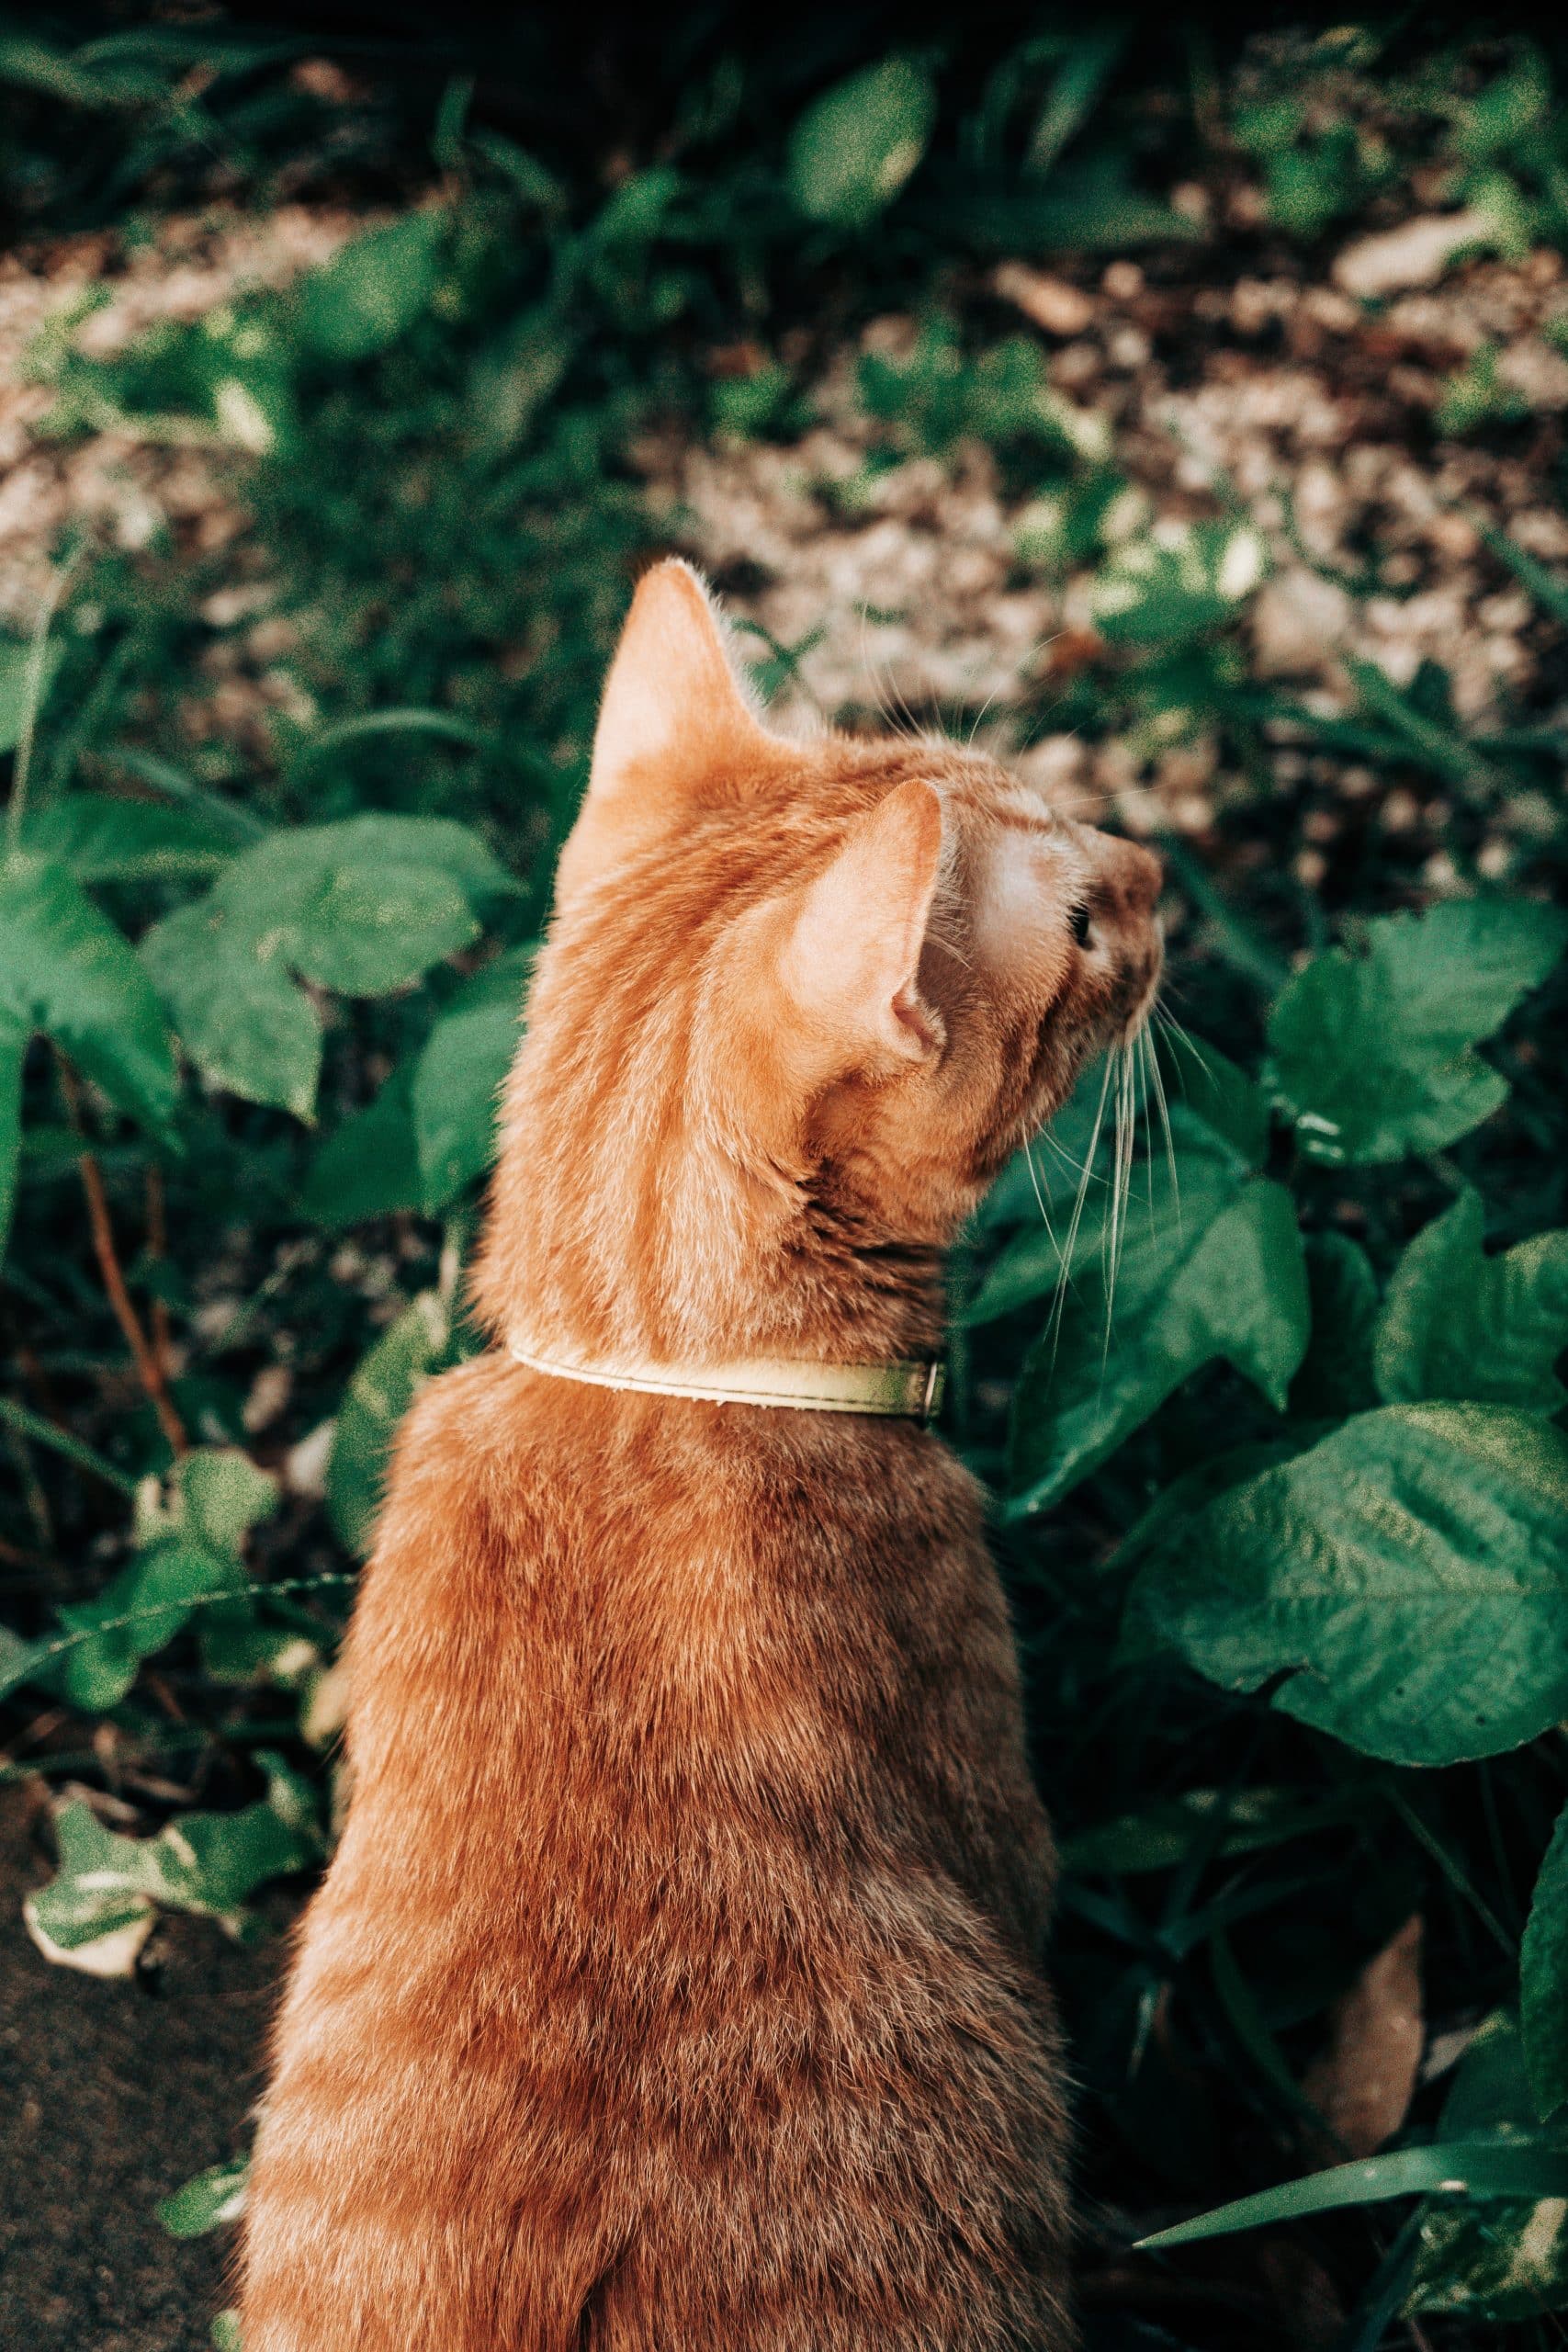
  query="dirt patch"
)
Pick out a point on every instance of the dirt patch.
point(112, 2095)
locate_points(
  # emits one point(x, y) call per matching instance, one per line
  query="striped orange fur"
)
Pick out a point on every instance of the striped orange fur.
point(677, 1983)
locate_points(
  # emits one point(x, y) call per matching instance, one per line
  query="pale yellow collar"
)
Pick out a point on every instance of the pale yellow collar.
point(908, 1390)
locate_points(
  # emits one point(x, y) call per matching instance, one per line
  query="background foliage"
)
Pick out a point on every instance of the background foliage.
point(1269, 1396)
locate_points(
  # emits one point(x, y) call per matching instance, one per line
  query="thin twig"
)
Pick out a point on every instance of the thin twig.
point(149, 1371)
point(157, 1251)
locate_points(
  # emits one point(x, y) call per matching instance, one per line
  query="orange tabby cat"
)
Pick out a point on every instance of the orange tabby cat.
point(676, 1984)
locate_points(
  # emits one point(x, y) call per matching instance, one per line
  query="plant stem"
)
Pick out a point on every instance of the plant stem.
point(150, 1372)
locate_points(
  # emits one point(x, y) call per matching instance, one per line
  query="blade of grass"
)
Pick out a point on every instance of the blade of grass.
point(1476, 2168)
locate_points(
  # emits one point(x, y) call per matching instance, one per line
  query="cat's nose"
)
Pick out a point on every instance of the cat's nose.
point(1137, 877)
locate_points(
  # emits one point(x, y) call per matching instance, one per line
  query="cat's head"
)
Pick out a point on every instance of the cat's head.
point(800, 1002)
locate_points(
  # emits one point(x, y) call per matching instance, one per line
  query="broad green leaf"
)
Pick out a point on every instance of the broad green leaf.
point(188, 1554)
point(1498, 2260)
point(208, 2200)
point(460, 1073)
point(851, 151)
point(365, 907)
point(65, 969)
point(377, 1397)
point(12, 1051)
point(98, 1911)
point(1409, 1575)
point(225, 2331)
point(1543, 1978)
point(1336, 1375)
point(1212, 1090)
point(1371, 1044)
point(1223, 1276)
point(244, 1024)
point(1457, 1323)
point(1468, 2168)
point(372, 290)
point(97, 839)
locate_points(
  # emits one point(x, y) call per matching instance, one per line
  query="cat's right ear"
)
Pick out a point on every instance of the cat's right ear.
point(674, 717)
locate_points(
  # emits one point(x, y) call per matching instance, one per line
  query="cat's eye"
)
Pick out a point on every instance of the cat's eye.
point(1078, 924)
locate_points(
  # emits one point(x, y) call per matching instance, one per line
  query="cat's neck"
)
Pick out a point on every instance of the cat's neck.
point(711, 1263)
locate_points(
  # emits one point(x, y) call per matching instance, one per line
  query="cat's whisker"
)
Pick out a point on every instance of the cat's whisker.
point(1159, 1077)
point(1059, 1307)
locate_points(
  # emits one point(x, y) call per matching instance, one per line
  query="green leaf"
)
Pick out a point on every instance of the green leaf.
point(243, 1024)
point(1371, 1044)
point(460, 1073)
point(1457, 1323)
point(1408, 1575)
point(1470, 2169)
point(1543, 1978)
point(226, 2334)
point(1336, 1375)
point(208, 2200)
point(188, 1554)
point(366, 906)
point(377, 1397)
point(65, 969)
point(1221, 1276)
point(372, 290)
point(851, 151)
point(1199, 1080)
point(98, 1911)
point(369, 1165)
point(97, 839)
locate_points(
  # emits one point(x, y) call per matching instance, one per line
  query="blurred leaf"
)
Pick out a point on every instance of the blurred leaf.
point(1543, 1978)
point(1221, 1276)
point(65, 969)
point(364, 905)
point(460, 1073)
point(373, 290)
point(1457, 1323)
point(100, 840)
point(1168, 591)
point(375, 1402)
point(852, 149)
point(15, 659)
point(1409, 1575)
point(1335, 1375)
point(1371, 1044)
point(369, 1166)
point(208, 2200)
point(241, 1020)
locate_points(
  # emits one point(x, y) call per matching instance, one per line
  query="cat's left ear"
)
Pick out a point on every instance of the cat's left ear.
point(674, 719)
point(851, 962)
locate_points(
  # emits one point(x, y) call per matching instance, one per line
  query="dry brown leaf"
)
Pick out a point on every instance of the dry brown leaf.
point(1362, 2084)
